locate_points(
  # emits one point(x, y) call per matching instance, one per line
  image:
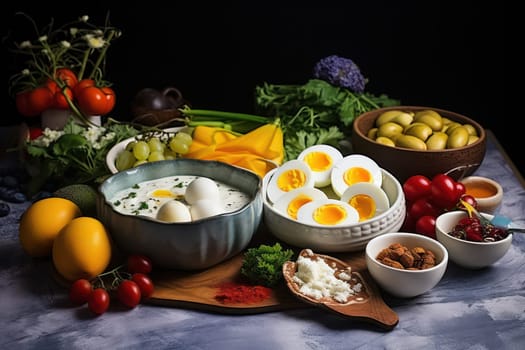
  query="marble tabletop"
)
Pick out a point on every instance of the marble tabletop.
point(482, 309)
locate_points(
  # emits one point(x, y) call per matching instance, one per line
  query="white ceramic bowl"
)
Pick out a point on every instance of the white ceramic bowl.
point(114, 151)
point(487, 192)
point(337, 239)
point(186, 245)
point(470, 255)
point(405, 283)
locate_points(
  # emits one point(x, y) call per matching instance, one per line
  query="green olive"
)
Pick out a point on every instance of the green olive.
point(431, 118)
point(419, 130)
point(448, 128)
point(437, 141)
point(389, 129)
point(409, 141)
point(471, 129)
point(372, 133)
point(387, 116)
point(385, 141)
point(457, 137)
point(472, 139)
point(403, 119)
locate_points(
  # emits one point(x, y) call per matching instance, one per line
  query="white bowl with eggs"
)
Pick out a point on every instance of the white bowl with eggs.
point(289, 212)
point(184, 214)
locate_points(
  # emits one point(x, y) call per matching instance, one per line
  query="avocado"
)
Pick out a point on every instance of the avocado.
point(82, 195)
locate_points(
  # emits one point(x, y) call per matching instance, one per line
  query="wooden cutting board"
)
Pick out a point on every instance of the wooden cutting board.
point(198, 289)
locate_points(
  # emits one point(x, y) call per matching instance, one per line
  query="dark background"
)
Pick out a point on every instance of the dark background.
point(436, 54)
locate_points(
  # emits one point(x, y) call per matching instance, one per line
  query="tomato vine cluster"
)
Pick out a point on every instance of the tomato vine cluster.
point(66, 91)
point(427, 198)
point(129, 284)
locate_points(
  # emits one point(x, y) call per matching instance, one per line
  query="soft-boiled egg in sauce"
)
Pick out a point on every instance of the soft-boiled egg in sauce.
point(327, 212)
point(368, 199)
point(174, 211)
point(290, 202)
point(352, 169)
point(321, 159)
point(291, 175)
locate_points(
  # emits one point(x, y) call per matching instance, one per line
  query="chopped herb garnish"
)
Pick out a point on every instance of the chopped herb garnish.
point(117, 203)
point(136, 186)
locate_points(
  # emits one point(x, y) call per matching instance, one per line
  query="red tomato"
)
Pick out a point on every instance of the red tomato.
point(34, 132)
point(60, 100)
point(93, 100)
point(444, 191)
point(98, 301)
point(416, 186)
point(67, 76)
point(145, 284)
point(128, 293)
point(422, 207)
point(470, 200)
point(426, 225)
point(139, 263)
point(84, 83)
point(32, 103)
point(80, 291)
point(409, 225)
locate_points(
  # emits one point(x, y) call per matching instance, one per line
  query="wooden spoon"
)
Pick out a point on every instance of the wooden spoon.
point(366, 304)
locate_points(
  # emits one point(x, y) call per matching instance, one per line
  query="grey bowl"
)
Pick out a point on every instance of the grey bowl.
point(189, 245)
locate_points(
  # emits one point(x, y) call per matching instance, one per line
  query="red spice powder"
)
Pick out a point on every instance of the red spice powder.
point(232, 293)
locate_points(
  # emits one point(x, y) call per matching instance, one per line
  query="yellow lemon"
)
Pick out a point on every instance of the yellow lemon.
point(82, 249)
point(41, 222)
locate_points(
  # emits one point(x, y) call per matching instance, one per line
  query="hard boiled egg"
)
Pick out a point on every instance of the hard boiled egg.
point(352, 169)
point(368, 199)
point(327, 212)
point(204, 208)
point(291, 175)
point(290, 202)
point(201, 188)
point(321, 159)
point(174, 211)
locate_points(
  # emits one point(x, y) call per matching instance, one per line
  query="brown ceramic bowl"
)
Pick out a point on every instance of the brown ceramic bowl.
point(404, 162)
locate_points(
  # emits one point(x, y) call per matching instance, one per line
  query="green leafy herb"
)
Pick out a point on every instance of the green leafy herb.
point(263, 265)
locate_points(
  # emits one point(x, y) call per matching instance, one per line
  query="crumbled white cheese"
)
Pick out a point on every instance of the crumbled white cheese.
point(316, 279)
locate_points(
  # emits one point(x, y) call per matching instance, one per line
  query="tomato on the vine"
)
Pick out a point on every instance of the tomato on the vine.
point(93, 100)
point(145, 284)
point(80, 291)
point(416, 186)
point(33, 102)
point(98, 301)
point(60, 100)
point(139, 263)
point(67, 76)
point(128, 293)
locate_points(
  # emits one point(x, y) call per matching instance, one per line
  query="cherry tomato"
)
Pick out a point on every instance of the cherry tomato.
point(469, 199)
point(409, 225)
point(426, 225)
point(145, 284)
point(98, 301)
point(139, 263)
point(35, 132)
point(444, 191)
point(80, 291)
point(93, 100)
point(416, 186)
point(128, 293)
point(423, 206)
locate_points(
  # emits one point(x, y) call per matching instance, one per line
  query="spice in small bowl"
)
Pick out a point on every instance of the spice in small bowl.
point(487, 192)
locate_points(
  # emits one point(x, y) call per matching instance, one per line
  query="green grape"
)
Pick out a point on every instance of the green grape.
point(169, 154)
point(156, 155)
point(141, 150)
point(130, 145)
point(139, 162)
point(125, 160)
point(184, 138)
point(155, 145)
point(179, 147)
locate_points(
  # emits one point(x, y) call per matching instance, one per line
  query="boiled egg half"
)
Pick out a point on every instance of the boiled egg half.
point(290, 202)
point(291, 175)
point(327, 212)
point(352, 169)
point(321, 159)
point(368, 199)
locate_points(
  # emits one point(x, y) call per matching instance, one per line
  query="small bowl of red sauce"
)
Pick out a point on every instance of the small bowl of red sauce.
point(487, 192)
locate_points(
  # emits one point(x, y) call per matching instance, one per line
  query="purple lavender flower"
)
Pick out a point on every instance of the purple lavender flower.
point(341, 72)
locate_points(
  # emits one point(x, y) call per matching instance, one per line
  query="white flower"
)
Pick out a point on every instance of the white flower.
point(25, 44)
point(94, 42)
point(26, 71)
point(93, 133)
point(84, 18)
point(65, 44)
point(42, 38)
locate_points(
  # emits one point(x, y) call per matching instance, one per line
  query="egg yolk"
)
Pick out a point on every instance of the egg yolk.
point(291, 179)
point(329, 214)
point(162, 194)
point(357, 174)
point(365, 206)
point(295, 204)
point(318, 161)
